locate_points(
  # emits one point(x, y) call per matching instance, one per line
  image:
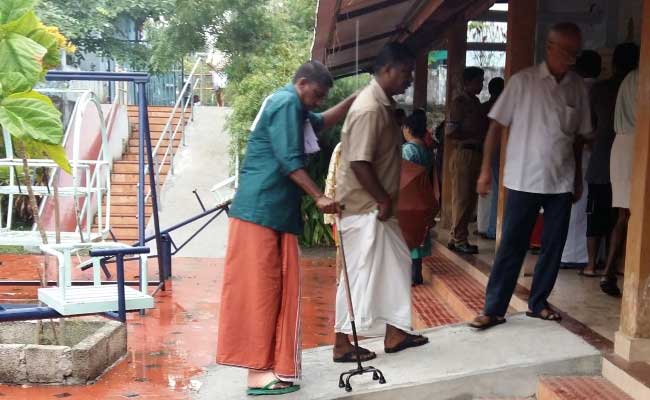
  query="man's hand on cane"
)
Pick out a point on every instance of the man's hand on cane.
point(327, 205)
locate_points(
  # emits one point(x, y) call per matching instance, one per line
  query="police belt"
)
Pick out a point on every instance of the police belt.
point(471, 146)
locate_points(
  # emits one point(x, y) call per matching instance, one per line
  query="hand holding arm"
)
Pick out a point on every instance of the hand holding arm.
point(324, 204)
point(335, 114)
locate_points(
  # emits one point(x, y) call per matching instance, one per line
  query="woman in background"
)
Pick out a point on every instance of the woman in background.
point(415, 151)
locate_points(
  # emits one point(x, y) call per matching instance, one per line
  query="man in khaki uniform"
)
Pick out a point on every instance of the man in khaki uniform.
point(466, 126)
point(368, 177)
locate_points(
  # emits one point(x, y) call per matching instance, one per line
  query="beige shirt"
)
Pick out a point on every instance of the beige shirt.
point(370, 133)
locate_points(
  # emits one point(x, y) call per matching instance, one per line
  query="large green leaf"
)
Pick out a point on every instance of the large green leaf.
point(48, 40)
point(11, 10)
point(30, 115)
point(29, 25)
point(13, 82)
point(23, 25)
point(23, 55)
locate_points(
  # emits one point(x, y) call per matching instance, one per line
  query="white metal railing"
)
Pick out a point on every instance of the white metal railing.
point(167, 133)
point(121, 98)
point(95, 173)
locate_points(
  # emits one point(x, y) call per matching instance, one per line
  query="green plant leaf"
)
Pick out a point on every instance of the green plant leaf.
point(22, 55)
point(47, 40)
point(29, 25)
point(30, 115)
point(11, 10)
point(13, 82)
point(23, 25)
point(55, 152)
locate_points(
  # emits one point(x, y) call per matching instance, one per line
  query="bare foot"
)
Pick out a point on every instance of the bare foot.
point(258, 379)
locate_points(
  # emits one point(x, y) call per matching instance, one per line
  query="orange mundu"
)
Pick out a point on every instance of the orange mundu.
point(259, 321)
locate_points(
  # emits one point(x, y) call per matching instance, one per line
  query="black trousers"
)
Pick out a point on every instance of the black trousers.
point(518, 223)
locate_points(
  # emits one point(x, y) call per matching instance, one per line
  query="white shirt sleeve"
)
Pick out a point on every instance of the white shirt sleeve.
point(503, 110)
point(585, 127)
point(624, 116)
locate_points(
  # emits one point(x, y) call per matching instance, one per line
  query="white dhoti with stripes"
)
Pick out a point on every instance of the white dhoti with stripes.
point(379, 270)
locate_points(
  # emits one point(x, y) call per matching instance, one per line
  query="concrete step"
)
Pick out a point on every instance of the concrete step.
point(504, 398)
point(157, 120)
point(154, 133)
point(458, 363)
point(631, 377)
point(125, 199)
point(120, 220)
point(123, 188)
point(132, 167)
point(125, 234)
point(158, 114)
point(135, 149)
point(129, 209)
point(131, 178)
point(136, 157)
point(578, 388)
point(133, 108)
point(165, 142)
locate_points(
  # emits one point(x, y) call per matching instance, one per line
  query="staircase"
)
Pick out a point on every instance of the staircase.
point(124, 176)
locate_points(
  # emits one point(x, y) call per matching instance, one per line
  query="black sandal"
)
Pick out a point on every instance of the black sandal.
point(408, 342)
point(546, 314)
point(483, 322)
point(351, 356)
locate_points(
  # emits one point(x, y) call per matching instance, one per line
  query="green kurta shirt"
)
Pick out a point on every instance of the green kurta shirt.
point(266, 195)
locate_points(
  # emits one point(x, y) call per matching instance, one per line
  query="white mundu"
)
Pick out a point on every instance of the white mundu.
point(623, 148)
point(379, 270)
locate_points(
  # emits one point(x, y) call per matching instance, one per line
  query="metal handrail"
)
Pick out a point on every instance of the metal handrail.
point(103, 153)
point(167, 131)
point(103, 162)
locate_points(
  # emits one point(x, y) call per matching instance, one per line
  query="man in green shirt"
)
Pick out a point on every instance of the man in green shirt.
point(259, 322)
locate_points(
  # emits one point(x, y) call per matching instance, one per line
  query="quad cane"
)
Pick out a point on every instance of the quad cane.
point(377, 375)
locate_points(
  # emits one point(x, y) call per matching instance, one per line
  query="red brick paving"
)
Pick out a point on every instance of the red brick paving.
point(464, 287)
point(431, 308)
point(578, 388)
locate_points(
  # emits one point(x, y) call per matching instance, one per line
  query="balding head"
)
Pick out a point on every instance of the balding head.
point(565, 29)
point(562, 47)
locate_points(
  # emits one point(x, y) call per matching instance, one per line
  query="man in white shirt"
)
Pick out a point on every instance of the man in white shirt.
point(547, 110)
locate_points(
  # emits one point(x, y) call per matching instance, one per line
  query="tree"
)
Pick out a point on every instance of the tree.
point(486, 32)
point(101, 26)
point(28, 49)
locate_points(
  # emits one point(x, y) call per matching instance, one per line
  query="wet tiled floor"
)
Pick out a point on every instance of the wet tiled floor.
point(173, 342)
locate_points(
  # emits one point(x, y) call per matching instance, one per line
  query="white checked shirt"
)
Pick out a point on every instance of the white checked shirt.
point(544, 117)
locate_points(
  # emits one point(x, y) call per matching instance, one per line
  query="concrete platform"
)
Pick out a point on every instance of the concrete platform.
point(199, 165)
point(458, 363)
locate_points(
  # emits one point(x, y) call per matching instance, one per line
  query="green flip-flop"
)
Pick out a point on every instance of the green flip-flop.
point(269, 390)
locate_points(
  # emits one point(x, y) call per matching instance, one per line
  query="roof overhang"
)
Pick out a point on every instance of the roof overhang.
point(350, 33)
